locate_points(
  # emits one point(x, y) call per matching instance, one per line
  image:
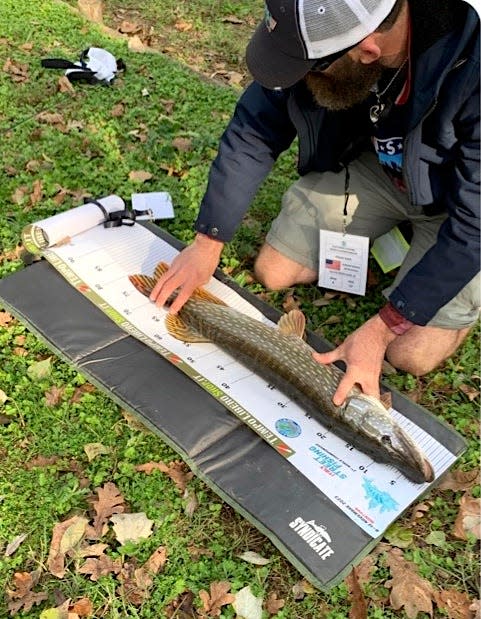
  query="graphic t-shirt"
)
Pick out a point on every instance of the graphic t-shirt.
point(389, 130)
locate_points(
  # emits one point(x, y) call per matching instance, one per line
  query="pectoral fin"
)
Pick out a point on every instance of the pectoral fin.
point(293, 323)
point(178, 329)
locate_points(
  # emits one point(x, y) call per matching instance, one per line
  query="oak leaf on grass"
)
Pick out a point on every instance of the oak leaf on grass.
point(408, 589)
point(458, 480)
point(217, 597)
point(104, 565)
point(358, 608)
point(456, 604)
point(468, 520)
point(22, 597)
point(109, 502)
point(176, 470)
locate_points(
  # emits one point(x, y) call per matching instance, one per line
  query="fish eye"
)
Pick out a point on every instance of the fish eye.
point(386, 439)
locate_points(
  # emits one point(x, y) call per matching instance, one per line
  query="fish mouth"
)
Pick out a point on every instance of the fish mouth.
point(411, 460)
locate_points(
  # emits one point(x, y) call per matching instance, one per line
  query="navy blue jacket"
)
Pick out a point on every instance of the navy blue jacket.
point(441, 160)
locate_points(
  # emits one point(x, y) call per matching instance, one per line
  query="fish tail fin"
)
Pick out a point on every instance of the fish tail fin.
point(143, 283)
point(293, 323)
point(178, 329)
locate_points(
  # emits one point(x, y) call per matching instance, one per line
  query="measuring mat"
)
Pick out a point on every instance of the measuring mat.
point(320, 501)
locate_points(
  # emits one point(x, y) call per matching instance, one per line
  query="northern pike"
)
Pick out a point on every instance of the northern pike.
point(282, 357)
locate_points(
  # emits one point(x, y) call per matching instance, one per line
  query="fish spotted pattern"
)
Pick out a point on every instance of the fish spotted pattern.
point(280, 356)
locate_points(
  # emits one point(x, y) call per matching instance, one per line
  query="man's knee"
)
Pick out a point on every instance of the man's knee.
point(413, 365)
point(423, 349)
point(275, 270)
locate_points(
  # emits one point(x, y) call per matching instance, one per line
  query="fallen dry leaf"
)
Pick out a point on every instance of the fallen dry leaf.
point(182, 607)
point(365, 569)
point(131, 527)
point(183, 145)
point(40, 461)
point(95, 568)
point(135, 44)
point(66, 535)
point(5, 318)
point(95, 449)
point(458, 480)
point(136, 582)
point(127, 27)
point(83, 607)
point(140, 176)
point(471, 392)
point(14, 544)
point(22, 597)
point(18, 196)
point(65, 85)
point(247, 605)
point(358, 608)
point(92, 550)
point(176, 470)
point(108, 503)
point(455, 603)
point(468, 519)
point(475, 608)
point(408, 589)
point(273, 605)
point(54, 395)
point(55, 119)
point(183, 26)
point(18, 71)
point(118, 110)
point(219, 596)
point(91, 9)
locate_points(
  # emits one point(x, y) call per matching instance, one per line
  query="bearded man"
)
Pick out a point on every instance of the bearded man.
point(383, 96)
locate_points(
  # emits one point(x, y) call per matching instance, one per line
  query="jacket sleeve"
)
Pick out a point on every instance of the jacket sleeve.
point(455, 258)
point(258, 132)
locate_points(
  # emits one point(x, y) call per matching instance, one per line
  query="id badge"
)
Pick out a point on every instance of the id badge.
point(343, 261)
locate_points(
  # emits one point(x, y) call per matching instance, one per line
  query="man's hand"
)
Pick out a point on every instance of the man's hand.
point(190, 269)
point(363, 352)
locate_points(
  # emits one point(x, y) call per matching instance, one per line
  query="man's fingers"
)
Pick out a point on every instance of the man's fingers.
point(181, 298)
point(327, 357)
point(343, 389)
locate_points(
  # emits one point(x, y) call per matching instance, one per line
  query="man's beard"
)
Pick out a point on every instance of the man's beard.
point(344, 84)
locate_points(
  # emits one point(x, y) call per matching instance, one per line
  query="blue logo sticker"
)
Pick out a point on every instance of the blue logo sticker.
point(378, 499)
point(288, 428)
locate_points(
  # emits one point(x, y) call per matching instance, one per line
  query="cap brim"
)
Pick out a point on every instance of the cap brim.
point(271, 67)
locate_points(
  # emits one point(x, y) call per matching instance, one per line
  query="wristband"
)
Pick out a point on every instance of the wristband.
point(394, 320)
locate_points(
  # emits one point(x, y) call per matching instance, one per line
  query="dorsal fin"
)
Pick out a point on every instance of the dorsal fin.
point(178, 329)
point(293, 323)
point(160, 269)
point(204, 295)
point(143, 283)
point(199, 293)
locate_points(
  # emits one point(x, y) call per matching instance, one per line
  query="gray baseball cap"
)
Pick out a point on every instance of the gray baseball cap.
point(296, 34)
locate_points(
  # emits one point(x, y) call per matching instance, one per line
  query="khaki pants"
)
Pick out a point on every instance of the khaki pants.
point(375, 206)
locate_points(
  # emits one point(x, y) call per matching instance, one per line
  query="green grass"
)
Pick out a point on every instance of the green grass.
point(93, 152)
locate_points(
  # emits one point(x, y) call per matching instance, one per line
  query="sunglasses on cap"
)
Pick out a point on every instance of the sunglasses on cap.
point(324, 63)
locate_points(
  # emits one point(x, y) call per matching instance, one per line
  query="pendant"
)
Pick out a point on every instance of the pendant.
point(375, 112)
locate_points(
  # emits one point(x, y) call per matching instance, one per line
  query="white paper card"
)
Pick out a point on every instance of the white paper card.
point(159, 203)
point(343, 260)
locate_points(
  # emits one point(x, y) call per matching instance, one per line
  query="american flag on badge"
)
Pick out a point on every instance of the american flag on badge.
point(334, 265)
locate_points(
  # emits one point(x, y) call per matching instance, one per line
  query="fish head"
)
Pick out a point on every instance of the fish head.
point(377, 424)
